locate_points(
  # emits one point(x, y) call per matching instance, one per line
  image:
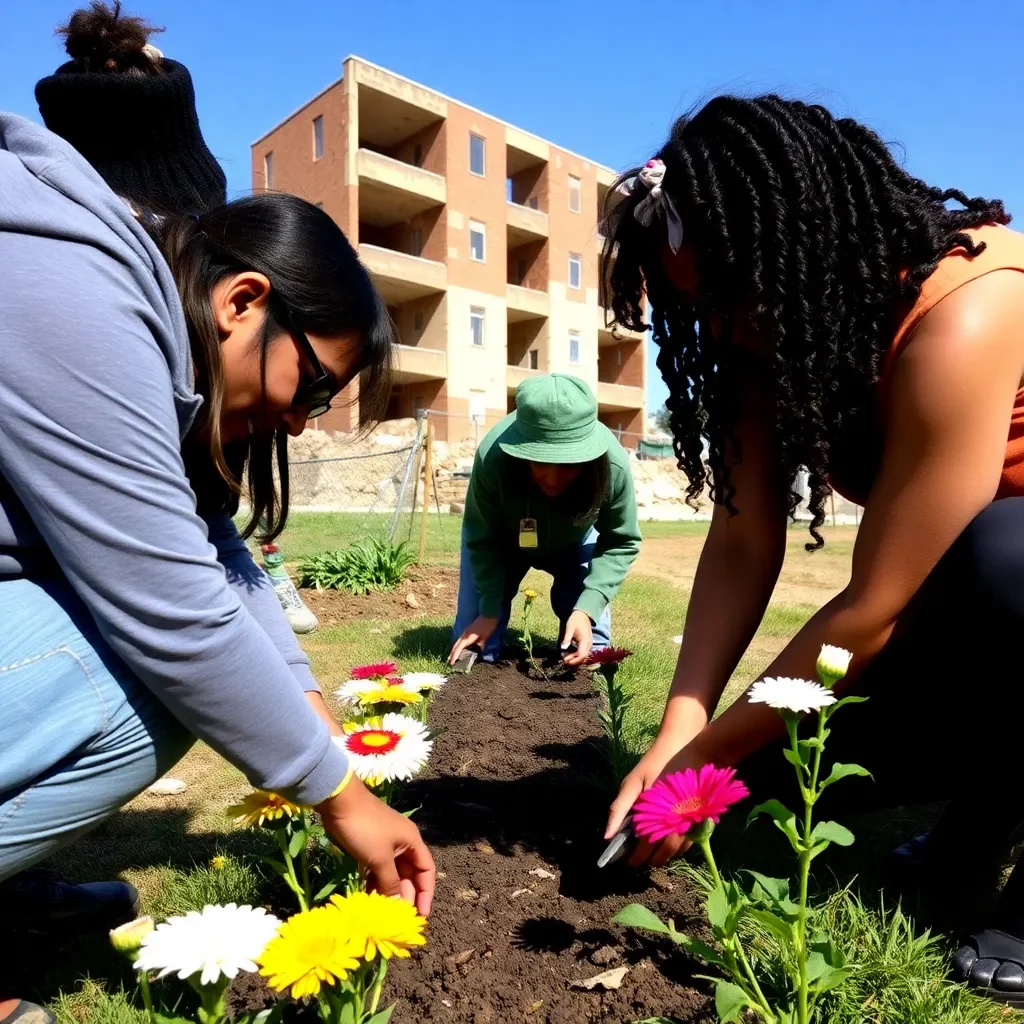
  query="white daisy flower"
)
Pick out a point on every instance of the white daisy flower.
point(386, 748)
point(798, 695)
point(833, 662)
point(213, 943)
point(425, 680)
point(363, 693)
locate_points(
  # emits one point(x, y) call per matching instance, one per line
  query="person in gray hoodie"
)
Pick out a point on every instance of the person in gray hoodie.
point(144, 376)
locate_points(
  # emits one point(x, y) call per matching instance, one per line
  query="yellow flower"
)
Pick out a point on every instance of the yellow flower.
point(311, 949)
point(530, 595)
point(218, 863)
point(380, 924)
point(260, 807)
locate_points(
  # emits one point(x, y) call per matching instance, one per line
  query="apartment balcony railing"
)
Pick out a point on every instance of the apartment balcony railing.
point(415, 363)
point(619, 396)
point(526, 303)
point(400, 277)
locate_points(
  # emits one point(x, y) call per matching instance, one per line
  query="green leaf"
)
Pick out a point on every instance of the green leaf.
point(718, 908)
point(823, 945)
point(831, 978)
point(348, 1014)
point(298, 843)
point(784, 818)
point(730, 1001)
point(636, 915)
point(816, 966)
point(163, 1018)
point(794, 759)
point(696, 947)
point(325, 892)
point(832, 832)
point(775, 924)
point(383, 1017)
point(853, 699)
point(276, 865)
point(775, 889)
point(842, 771)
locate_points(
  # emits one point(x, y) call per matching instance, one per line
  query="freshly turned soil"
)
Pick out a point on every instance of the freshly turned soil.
point(513, 806)
point(434, 587)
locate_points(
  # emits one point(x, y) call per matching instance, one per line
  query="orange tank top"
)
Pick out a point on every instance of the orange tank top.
point(1004, 250)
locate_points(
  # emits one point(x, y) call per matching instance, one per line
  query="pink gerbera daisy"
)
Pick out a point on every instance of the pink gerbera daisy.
point(677, 802)
point(382, 670)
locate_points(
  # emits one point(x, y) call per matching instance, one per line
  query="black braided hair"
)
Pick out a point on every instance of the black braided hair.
point(803, 226)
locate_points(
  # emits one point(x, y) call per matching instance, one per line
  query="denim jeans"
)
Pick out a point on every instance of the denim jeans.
point(79, 734)
point(569, 568)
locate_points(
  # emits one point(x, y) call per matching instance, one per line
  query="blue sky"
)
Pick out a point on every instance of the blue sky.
point(944, 79)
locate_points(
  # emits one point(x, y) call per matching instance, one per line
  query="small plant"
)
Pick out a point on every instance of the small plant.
point(529, 597)
point(605, 663)
point(364, 567)
point(689, 803)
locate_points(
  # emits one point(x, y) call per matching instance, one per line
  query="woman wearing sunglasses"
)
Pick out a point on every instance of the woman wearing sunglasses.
point(152, 371)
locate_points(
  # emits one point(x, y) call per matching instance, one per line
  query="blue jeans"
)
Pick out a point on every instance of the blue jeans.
point(569, 569)
point(80, 736)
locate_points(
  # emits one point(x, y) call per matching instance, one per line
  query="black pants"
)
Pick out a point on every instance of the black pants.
point(945, 718)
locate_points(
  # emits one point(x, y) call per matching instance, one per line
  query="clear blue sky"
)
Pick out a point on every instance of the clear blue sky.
point(944, 79)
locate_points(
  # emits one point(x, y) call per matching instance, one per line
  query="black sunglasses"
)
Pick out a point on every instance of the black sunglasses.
point(314, 396)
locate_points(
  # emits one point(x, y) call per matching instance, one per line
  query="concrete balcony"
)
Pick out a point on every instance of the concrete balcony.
point(391, 191)
point(612, 397)
point(400, 277)
point(414, 363)
point(525, 225)
point(605, 335)
point(515, 375)
point(526, 303)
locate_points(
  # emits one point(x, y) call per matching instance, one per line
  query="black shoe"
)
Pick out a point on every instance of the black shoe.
point(41, 902)
point(29, 1013)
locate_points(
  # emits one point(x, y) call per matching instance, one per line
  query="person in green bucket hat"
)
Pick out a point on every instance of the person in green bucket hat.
point(551, 489)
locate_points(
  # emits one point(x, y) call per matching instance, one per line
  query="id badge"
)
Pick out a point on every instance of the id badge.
point(527, 533)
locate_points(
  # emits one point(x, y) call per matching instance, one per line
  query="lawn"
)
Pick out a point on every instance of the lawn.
point(163, 845)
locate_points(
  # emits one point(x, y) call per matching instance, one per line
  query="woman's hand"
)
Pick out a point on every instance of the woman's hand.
point(477, 633)
point(384, 842)
point(663, 758)
point(580, 629)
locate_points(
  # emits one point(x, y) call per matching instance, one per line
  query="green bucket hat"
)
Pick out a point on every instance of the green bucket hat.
point(556, 421)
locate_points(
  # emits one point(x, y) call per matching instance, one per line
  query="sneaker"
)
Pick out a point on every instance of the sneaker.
point(29, 1013)
point(299, 617)
point(40, 902)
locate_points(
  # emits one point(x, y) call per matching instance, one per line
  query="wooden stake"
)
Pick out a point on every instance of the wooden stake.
point(428, 481)
point(832, 498)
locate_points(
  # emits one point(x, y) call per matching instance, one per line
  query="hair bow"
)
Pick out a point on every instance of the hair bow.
point(657, 202)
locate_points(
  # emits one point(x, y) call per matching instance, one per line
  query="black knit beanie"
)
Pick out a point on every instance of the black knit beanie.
point(140, 132)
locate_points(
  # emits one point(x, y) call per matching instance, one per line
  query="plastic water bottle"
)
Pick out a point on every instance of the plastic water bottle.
point(299, 617)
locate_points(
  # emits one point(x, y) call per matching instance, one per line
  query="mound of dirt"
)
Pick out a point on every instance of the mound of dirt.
point(513, 806)
point(433, 588)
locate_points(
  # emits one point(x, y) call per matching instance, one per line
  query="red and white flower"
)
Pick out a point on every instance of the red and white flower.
point(378, 670)
point(385, 749)
point(363, 693)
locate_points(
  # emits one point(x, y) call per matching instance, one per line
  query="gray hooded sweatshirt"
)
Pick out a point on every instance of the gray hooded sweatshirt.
point(96, 394)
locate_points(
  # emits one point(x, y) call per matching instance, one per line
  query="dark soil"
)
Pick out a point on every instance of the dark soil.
point(433, 587)
point(513, 806)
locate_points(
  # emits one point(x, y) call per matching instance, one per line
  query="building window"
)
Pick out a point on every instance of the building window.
point(508, 190)
point(318, 137)
point(477, 241)
point(417, 241)
point(476, 326)
point(575, 201)
point(268, 170)
point(477, 155)
point(618, 356)
point(417, 154)
point(574, 346)
point(533, 202)
point(534, 359)
point(520, 271)
point(417, 323)
point(575, 270)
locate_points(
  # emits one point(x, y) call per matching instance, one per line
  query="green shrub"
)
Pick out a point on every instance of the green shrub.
point(234, 882)
point(363, 567)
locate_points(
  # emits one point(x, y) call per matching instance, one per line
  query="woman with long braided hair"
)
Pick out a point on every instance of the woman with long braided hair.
point(819, 309)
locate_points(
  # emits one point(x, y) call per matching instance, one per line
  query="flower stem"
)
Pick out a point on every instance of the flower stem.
point(810, 794)
point(291, 880)
point(147, 997)
point(307, 887)
point(732, 943)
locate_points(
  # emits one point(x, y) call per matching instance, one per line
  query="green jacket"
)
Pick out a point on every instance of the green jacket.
point(497, 501)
